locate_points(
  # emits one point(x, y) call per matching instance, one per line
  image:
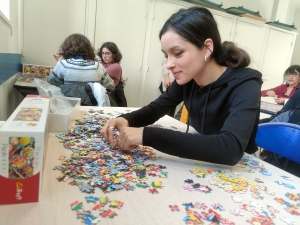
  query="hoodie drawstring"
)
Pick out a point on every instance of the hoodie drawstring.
point(204, 112)
point(205, 106)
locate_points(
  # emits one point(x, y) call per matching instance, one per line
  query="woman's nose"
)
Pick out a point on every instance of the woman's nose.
point(170, 63)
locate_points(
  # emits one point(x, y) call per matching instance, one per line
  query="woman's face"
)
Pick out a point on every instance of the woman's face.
point(184, 59)
point(293, 78)
point(107, 56)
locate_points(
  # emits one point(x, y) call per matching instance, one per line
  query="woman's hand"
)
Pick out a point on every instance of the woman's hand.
point(129, 137)
point(108, 130)
point(279, 101)
point(167, 82)
point(271, 94)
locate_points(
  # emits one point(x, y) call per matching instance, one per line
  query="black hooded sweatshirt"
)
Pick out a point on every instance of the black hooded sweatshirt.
point(225, 113)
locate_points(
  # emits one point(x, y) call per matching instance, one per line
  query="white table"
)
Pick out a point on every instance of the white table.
point(140, 206)
point(268, 107)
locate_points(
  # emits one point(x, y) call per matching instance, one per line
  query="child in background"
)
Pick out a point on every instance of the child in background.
point(77, 64)
point(283, 92)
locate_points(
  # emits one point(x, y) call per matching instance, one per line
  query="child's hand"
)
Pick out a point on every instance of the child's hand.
point(56, 56)
point(271, 94)
point(279, 101)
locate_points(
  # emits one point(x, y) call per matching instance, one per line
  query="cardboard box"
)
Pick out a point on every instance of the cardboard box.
point(23, 140)
point(62, 123)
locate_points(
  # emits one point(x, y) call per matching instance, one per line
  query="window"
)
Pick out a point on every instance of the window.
point(4, 8)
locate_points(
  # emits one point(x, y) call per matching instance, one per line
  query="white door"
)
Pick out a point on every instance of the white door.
point(251, 37)
point(47, 24)
point(124, 22)
point(279, 49)
point(153, 75)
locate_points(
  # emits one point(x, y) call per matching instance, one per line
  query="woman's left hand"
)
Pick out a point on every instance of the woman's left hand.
point(279, 101)
point(129, 137)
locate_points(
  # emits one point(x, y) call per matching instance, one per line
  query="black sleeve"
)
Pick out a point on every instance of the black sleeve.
point(228, 146)
point(156, 109)
point(292, 103)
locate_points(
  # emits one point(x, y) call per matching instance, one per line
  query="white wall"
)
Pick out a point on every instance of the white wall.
point(47, 24)
point(10, 98)
point(290, 16)
point(11, 43)
point(296, 53)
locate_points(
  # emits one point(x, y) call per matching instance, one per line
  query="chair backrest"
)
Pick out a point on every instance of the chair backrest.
point(184, 115)
point(280, 138)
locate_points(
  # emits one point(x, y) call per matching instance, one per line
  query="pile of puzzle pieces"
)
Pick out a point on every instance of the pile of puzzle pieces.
point(93, 160)
point(99, 204)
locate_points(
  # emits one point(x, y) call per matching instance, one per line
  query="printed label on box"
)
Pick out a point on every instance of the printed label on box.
point(37, 69)
point(22, 139)
point(21, 157)
point(29, 114)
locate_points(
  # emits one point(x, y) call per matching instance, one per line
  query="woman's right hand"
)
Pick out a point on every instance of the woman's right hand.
point(271, 93)
point(108, 130)
point(167, 82)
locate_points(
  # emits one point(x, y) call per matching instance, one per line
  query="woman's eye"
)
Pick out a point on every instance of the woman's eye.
point(178, 54)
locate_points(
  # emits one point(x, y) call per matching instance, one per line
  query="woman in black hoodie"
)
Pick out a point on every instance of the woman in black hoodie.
point(221, 95)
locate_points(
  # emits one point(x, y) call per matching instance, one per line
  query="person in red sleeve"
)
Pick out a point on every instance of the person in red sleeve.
point(284, 91)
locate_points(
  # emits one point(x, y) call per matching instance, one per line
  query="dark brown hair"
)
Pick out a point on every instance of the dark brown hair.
point(292, 69)
point(195, 25)
point(111, 46)
point(77, 45)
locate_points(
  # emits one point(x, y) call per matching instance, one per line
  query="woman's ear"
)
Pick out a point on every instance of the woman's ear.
point(209, 47)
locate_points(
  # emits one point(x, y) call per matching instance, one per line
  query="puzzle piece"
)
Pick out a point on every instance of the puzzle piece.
point(91, 220)
point(153, 191)
point(76, 205)
point(86, 188)
point(237, 199)
point(142, 185)
point(116, 204)
point(174, 208)
point(199, 205)
point(157, 184)
point(188, 187)
point(103, 199)
point(236, 212)
point(217, 206)
point(108, 213)
point(91, 199)
point(99, 206)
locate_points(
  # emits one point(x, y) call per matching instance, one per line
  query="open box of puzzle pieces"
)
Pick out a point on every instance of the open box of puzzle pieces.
point(37, 69)
point(31, 71)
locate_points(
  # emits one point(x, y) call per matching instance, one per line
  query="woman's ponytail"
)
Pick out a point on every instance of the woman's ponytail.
point(232, 56)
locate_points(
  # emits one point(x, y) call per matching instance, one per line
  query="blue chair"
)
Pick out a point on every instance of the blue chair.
point(280, 138)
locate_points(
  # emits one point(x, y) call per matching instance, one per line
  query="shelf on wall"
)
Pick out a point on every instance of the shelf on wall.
point(282, 25)
point(243, 12)
point(207, 4)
